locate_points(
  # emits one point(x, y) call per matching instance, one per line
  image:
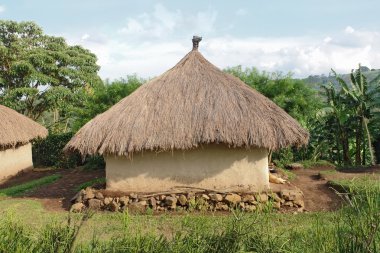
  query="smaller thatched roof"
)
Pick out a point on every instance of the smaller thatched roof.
point(17, 129)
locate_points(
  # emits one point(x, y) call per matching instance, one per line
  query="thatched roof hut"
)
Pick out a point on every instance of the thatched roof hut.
point(192, 104)
point(16, 132)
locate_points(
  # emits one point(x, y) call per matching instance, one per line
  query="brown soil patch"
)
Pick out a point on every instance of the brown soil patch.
point(55, 196)
point(318, 196)
point(26, 176)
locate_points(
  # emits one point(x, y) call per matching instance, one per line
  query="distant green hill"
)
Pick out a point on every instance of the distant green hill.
point(317, 80)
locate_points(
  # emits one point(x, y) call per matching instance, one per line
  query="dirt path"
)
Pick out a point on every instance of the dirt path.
point(318, 195)
point(55, 196)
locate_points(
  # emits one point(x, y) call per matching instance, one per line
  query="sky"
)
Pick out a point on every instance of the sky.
point(147, 37)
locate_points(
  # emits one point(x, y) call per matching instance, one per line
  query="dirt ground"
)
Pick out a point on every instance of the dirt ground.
point(318, 195)
point(55, 196)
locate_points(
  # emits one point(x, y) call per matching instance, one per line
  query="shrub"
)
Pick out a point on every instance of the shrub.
point(95, 162)
point(49, 152)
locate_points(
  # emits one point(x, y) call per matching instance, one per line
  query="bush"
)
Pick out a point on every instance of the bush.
point(49, 152)
point(95, 162)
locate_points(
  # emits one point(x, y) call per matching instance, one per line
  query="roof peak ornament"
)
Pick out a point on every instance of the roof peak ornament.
point(196, 40)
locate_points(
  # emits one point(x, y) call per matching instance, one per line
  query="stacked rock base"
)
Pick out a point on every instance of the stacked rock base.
point(188, 201)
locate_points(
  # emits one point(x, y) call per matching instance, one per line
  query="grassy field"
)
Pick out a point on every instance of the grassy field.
point(25, 225)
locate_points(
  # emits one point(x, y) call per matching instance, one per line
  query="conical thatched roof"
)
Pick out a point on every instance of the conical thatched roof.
point(190, 104)
point(16, 129)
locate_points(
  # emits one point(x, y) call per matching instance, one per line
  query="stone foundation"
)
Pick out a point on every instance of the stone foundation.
point(187, 201)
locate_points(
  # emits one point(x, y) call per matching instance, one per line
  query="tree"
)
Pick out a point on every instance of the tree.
point(41, 73)
point(336, 117)
point(102, 96)
point(294, 96)
point(363, 97)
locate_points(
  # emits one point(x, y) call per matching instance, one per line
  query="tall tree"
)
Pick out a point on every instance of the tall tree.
point(40, 73)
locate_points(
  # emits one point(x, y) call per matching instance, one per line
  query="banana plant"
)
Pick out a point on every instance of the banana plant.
point(364, 97)
point(337, 108)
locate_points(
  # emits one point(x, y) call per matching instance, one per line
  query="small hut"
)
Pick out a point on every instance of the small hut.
point(193, 126)
point(16, 132)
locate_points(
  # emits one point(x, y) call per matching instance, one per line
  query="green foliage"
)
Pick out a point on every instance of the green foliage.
point(41, 74)
point(283, 157)
point(290, 175)
point(292, 95)
point(350, 118)
point(295, 97)
point(95, 162)
point(49, 152)
point(20, 189)
point(358, 186)
point(54, 237)
point(102, 96)
point(91, 183)
point(320, 163)
point(360, 221)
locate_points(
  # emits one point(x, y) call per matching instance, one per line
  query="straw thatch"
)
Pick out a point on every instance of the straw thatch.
point(17, 129)
point(191, 104)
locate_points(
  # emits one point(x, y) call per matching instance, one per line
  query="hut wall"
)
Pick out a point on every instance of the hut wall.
point(14, 160)
point(213, 166)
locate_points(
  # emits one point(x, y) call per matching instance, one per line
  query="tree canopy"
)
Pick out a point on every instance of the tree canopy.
point(294, 96)
point(40, 73)
point(102, 96)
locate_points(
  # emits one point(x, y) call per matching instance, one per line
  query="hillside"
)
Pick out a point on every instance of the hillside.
point(317, 80)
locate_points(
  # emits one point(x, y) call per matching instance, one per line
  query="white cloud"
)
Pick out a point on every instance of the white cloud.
point(163, 23)
point(302, 55)
point(327, 39)
point(85, 36)
point(151, 43)
point(2, 8)
point(349, 29)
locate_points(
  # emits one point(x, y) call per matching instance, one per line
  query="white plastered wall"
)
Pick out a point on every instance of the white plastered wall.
point(212, 167)
point(15, 160)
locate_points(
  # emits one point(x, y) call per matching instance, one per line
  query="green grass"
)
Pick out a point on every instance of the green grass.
point(90, 183)
point(291, 176)
point(309, 164)
point(238, 232)
point(356, 185)
point(19, 190)
point(326, 173)
point(355, 228)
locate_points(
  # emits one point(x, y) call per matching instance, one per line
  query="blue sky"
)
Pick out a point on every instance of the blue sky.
point(148, 37)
